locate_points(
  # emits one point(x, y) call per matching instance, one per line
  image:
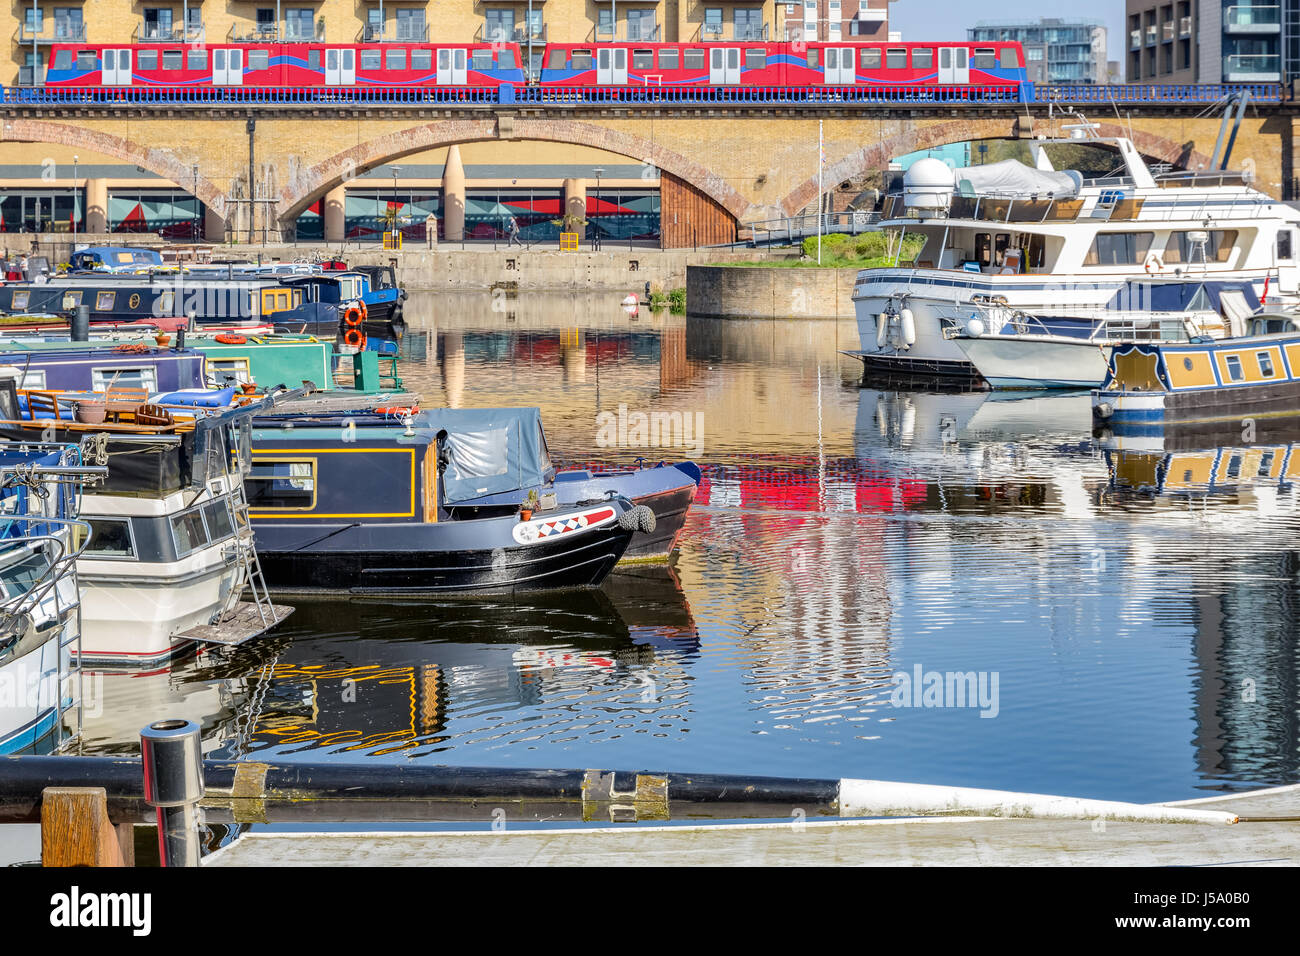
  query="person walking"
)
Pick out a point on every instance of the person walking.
point(512, 230)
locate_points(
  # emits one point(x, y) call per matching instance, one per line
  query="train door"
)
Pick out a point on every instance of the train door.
point(611, 66)
point(839, 68)
point(340, 67)
point(117, 68)
point(724, 66)
point(227, 67)
point(452, 69)
point(954, 65)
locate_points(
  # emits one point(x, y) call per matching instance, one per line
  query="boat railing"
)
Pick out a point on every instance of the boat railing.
point(1106, 324)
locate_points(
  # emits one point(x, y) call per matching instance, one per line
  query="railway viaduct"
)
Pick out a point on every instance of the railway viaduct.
point(734, 163)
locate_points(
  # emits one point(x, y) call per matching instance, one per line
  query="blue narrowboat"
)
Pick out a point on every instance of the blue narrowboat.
point(100, 367)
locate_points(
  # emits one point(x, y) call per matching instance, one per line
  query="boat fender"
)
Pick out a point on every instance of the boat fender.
point(907, 327)
point(974, 328)
point(645, 518)
point(1104, 409)
point(882, 329)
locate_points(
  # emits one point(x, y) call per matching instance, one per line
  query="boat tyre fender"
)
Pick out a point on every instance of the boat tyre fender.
point(227, 339)
point(639, 518)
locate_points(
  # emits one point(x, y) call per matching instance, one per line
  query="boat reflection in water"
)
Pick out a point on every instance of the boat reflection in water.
point(363, 678)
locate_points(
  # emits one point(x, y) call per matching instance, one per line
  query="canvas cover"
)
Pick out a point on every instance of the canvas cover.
point(1013, 178)
point(490, 450)
point(1209, 296)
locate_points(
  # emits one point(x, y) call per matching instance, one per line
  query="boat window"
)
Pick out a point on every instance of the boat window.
point(258, 59)
point(217, 515)
point(187, 529)
point(1284, 247)
point(694, 59)
point(896, 58)
point(102, 379)
point(110, 538)
point(1200, 246)
point(1265, 364)
point(166, 303)
point(1119, 249)
point(281, 484)
point(1234, 368)
point(580, 60)
point(1000, 246)
point(922, 59)
point(983, 248)
point(33, 378)
point(228, 371)
point(196, 60)
point(667, 59)
point(104, 301)
point(1010, 58)
point(984, 58)
point(370, 59)
point(396, 59)
point(20, 301)
point(869, 59)
point(755, 60)
point(422, 59)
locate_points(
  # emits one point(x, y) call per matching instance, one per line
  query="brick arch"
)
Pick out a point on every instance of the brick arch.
point(876, 156)
point(158, 161)
point(305, 186)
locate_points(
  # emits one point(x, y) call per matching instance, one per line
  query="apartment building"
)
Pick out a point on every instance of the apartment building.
point(1208, 41)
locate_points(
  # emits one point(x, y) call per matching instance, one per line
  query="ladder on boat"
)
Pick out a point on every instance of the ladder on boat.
point(249, 564)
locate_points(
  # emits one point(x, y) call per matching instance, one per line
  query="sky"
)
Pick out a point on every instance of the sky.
point(916, 18)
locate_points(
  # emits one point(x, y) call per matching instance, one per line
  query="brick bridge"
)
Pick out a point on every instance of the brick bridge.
point(732, 163)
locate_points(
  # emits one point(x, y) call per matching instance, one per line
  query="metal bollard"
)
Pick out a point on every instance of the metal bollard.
point(173, 783)
point(81, 324)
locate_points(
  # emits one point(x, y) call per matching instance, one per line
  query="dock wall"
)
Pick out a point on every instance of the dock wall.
point(740, 292)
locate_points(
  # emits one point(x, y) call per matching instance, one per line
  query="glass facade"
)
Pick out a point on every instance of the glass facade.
point(40, 210)
point(1067, 48)
point(171, 214)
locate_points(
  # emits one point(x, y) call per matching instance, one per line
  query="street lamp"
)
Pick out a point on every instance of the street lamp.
point(74, 203)
point(595, 229)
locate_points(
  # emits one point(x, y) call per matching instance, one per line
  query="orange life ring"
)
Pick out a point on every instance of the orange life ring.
point(354, 337)
point(355, 315)
point(228, 338)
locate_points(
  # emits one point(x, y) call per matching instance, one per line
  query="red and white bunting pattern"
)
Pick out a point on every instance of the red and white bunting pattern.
point(529, 532)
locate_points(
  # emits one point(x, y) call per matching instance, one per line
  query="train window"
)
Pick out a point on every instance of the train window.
point(896, 58)
point(693, 59)
point(984, 58)
point(481, 60)
point(506, 60)
point(258, 59)
point(869, 59)
point(667, 59)
point(87, 60)
point(396, 59)
point(172, 59)
point(556, 60)
point(643, 59)
point(144, 59)
point(922, 59)
point(755, 60)
point(196, 60)
point(1010, 58)
point(63, 60)
point(421, 59)
point(370, 60)
point(313, 60)
point(814, 59)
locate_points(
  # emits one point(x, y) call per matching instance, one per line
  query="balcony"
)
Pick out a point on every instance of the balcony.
point(1167, 31)
point(394, 33)
point(156, 33)
point(521, 35)
point(625, 32)
point(1252, 68)
point(729, 31)
point(53, 30)
point(1153, 34)
point(1250, 19)
point(1135, 40)
point(1185, 27)
point(254, 33)
point(873, 15)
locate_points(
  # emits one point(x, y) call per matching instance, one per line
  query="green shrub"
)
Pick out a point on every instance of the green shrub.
point(677, 301)
point(658, 301)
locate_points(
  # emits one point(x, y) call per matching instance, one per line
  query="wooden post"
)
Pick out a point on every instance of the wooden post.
point(75, 830)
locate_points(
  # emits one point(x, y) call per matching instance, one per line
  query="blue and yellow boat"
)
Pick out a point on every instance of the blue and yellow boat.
point(1204, 383)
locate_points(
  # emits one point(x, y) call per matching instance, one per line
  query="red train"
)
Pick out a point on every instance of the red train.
point(623, 64)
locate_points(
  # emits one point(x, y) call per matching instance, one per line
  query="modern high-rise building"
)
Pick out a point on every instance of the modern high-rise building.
point(1209, 41)
point(1056, 50)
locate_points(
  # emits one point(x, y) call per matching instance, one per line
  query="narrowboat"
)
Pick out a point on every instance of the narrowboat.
point(356, 504)
point(100, 367)
point(170, 548)
point(1205, 383)
point(1196, 472)
point(326, 295)
point(40, 539)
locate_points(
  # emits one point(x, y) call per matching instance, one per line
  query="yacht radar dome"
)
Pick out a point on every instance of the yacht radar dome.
point(928, 187)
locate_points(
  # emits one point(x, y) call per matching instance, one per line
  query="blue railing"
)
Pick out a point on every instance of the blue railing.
point(616, 95)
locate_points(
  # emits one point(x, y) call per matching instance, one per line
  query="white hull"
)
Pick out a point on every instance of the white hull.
point(1035, 361)
point(29, 697)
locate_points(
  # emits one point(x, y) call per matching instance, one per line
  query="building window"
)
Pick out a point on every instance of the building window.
point(34, 19)
point(265, 19)
point(410, 23)
point(712, 22)
point(67, 22)
point(374, 23)
point(605, 25)
point(641, 25)
point(748, 23)
point(157, 23)
point(299, 24)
